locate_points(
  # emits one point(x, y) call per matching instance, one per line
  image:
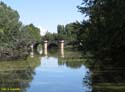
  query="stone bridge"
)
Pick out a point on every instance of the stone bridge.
point(48, 45)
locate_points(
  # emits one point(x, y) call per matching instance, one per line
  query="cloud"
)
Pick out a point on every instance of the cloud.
point(42, 30)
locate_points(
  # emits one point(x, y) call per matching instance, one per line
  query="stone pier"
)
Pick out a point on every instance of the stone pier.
point(45, 45)
point(61, 44)
point(61, 48)
point(32, 51)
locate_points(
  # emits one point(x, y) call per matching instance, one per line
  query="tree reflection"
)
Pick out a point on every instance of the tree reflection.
point(72, 59)
point(15, 76)
point(87, 81)
point(72, 63)
point(106, 76)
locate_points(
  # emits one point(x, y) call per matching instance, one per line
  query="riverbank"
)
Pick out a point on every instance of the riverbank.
point(12, 54)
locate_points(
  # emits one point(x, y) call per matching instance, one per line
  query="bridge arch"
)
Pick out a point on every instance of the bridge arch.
point(52, 45)
point(46, 45)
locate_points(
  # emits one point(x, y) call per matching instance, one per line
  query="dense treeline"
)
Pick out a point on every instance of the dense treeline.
point(103, 39)
point(15, 38)
point(50, 36)
point(67, 32)
point(103, 35)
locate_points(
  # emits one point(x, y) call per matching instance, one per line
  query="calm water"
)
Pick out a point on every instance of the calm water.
point(44, 74)
point(54, 77)
point(51, 73)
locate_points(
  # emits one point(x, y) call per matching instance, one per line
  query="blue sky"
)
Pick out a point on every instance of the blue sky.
point(46, 14)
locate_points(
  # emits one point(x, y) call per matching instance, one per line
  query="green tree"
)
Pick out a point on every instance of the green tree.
point(48, 36)
point(15, 39)
point(71, 31)
point(105, 38)
point(33, 32)
point(61, 32)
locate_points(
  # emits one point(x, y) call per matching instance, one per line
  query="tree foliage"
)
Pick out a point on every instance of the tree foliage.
point(103, 34)
point(50, 36)
point(34, 32)
point(15, 39)
point(69, 31)
point(61, 32)
point(103, 38)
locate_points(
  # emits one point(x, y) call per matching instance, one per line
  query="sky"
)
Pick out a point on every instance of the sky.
point(46, 14)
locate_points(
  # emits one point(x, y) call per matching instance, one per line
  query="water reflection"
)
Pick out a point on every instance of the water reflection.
point(60, 74)
point(56, 73)
point(108, 80)
point(72, 63)
point(50, 73)
point(15, 76)
point(61, 53)
point(107, 76)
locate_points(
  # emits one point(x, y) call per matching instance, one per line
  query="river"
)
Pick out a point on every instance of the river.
point(49, 73)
